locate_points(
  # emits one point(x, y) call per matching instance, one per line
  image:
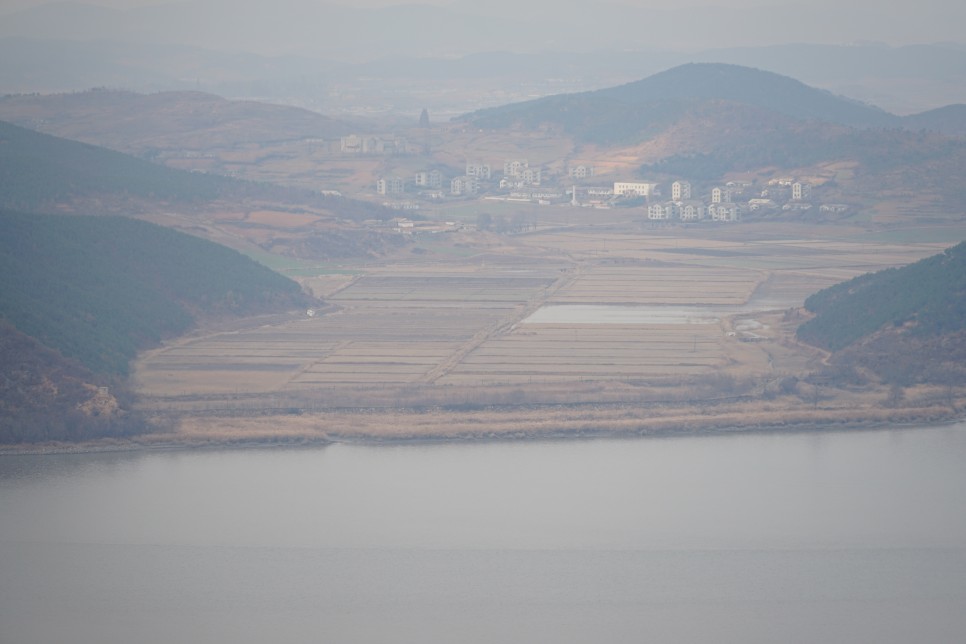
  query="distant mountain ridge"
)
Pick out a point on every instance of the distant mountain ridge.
point(659, 99)
point(763, 89)
point(130, 121)
point(904, 80)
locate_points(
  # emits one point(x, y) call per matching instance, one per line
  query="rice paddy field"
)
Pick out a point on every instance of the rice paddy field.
point(599, 309)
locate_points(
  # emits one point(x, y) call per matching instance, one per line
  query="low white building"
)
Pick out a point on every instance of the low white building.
point(633, 188)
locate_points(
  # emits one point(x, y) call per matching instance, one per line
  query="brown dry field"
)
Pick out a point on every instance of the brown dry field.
point(443, 344)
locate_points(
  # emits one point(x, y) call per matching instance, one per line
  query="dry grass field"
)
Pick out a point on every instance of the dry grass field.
point(563, 315)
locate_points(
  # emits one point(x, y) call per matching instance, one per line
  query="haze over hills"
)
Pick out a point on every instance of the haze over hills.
point(38, 171)
point(699, 121)
point(663, 95)
point(453, 57)
point(703, 121)
point(185, 120)
point(43, 173)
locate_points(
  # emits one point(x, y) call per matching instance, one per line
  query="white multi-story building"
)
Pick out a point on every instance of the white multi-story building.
point(800, 190)
point(432, 179)
point(478, 170)
point(722, 195)
point(531, 176)
point(690, 210)
point(464, 186)
point(390, 186)
point(724, 212)
point(660, 211)
point(514, 168)
point(680, 191)
point(640, 189)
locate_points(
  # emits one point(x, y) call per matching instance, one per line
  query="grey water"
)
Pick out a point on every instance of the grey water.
point(749, 537)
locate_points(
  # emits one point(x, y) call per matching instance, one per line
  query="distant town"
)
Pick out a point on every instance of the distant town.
point(523, 183)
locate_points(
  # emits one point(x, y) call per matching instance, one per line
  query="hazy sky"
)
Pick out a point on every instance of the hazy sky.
point(7, 5)
point(310, 27)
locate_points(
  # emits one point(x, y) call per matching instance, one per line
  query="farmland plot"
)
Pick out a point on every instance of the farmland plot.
point(390, 329)
point(629, 322)
point(594, 308)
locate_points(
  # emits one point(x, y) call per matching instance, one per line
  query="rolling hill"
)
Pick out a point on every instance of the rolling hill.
point(131, 122)
point(644, 107)
point(44, 173)
point(99, 289)
point(38, 171)
point(907, 325)
point(706, 121)
point(81, 295)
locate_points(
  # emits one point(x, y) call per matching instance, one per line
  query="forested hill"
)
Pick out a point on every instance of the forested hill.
point(40, 171)
point(642, 109)
point(907, 324)
point(99, 289)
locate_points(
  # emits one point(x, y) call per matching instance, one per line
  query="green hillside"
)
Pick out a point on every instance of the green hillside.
point(905, 325)
point(929, 297)
point(99, 289)
point(38, 170)
point(45, 397)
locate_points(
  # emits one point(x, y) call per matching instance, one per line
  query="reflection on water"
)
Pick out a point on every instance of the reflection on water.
point(763, 537)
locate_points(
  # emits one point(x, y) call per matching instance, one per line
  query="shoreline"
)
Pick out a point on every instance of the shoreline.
point(502, 424)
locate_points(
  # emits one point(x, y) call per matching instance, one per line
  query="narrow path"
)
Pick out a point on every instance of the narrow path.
point(500, 326)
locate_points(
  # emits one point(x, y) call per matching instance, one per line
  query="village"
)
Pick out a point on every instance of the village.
point(677, 202)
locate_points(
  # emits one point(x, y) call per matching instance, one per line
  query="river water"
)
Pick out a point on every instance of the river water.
point(753, 537)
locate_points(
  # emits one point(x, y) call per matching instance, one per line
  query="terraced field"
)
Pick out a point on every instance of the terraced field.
point(549, 310)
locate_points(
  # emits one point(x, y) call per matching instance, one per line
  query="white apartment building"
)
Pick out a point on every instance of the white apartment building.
point(464, 186)
point(724, 212)
point(660, 211)
point(680, 191)
point(690, 210)
point(514, 168)
point(431, 179)
point(478, 170)
point(722, 195)
point(390, 186)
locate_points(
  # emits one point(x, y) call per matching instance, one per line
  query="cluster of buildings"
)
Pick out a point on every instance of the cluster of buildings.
point(682, 206)
point(521, 182)
point(517, 174)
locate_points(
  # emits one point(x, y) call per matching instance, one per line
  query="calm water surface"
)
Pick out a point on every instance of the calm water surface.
point(805, 537)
